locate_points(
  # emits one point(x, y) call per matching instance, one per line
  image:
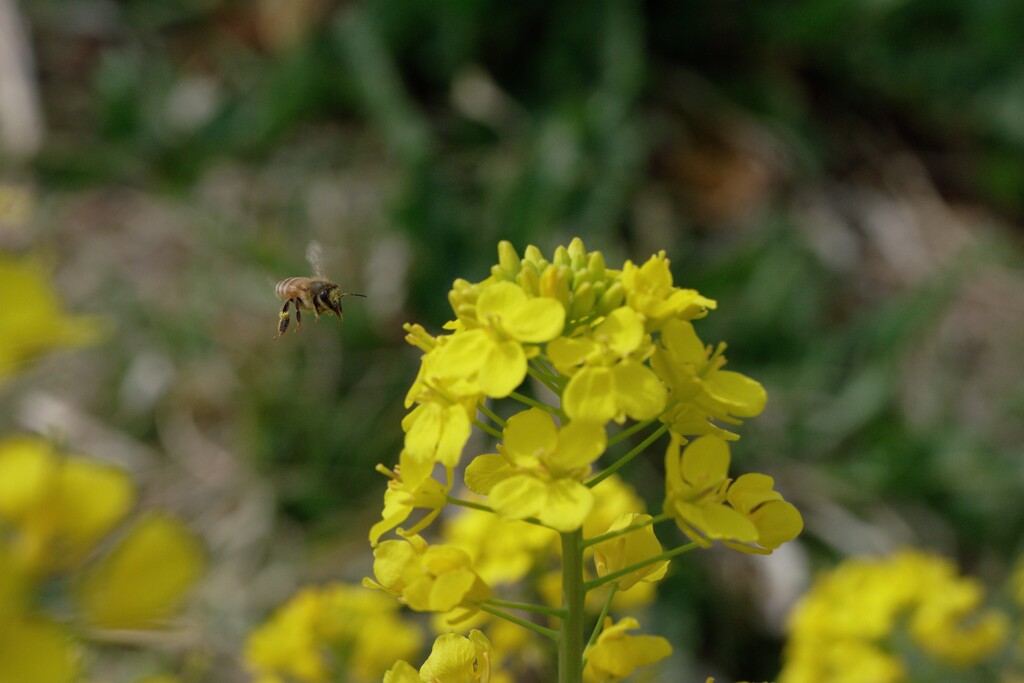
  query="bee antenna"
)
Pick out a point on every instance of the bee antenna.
point(353, 294)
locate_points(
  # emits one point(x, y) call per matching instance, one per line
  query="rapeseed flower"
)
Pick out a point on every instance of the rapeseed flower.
point(57, 507)
point(411, 486)
point(776, 520)
point(495, 352)
point(616, 654)
point(878, 619)
point(696, 481)
point(629, 549)
point(32, 317)
point(329, 633)
point(145, 578)
point(453, 659)
point(540, 470)
point(55, 511)
point(699, 389)
point(613, 382)
point(427, 578)
point(650, 292)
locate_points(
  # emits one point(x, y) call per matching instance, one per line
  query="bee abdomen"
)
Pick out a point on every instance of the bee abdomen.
point(284, 290)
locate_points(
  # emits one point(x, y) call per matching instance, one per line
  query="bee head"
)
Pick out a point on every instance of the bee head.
point(331, 299)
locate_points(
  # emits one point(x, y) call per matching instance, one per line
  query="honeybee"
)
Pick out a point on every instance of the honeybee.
point(317, 294)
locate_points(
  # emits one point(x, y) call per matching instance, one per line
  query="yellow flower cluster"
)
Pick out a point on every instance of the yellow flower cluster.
point(612, 345)
point(336, 632)
point(877, 619)
point(32, 317)
point(55, 509)
point(598, 346)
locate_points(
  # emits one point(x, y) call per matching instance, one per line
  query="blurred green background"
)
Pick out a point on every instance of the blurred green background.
point(845, 177)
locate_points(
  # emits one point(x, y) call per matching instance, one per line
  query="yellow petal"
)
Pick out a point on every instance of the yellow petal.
point(529, 436)
point(27, 470)
point(402, 672)
point(517, 497)
point(579, 444)
point(90, 499)
point(455, 431)
point(450, 661)
point(741, 396)
point(622, 331)
point(503, 369)
point(145, 578)
point(536, 320)
point(777, 522)
point(498, 300)
point(638, 391)
point(721, 521)
point(37, 651)
point(485, 471)
point(706, 462)
point(463, 353)
point(568, 353)
point(590, 396)
point(565, 504)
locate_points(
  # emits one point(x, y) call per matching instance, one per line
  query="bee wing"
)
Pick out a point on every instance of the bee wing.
point(315, 256)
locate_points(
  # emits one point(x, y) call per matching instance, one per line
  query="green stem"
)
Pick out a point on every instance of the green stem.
point(528, 607)
point(491, 415)
point(664, 517)
point(533, 403)
point(624, 460)
point(614, 576)
point(536, 628)
point(628, 432)
point(488, 428)
point(600, 619)
point(570, 638)
point(468, 504)
point(545, 376)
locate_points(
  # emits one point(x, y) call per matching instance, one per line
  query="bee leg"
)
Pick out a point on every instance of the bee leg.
point(283, 318)
point(298, 317)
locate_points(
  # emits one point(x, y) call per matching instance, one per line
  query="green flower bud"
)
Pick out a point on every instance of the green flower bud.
point(562, 256)
point(534, 255)
point(595, 266)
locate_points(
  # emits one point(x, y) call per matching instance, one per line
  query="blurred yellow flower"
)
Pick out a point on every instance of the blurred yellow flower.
point(34, 649)
point(878, 619)
point(32, 317)
point(145, 578)
point(330, 633)
point(57, 507)
point(503, 551)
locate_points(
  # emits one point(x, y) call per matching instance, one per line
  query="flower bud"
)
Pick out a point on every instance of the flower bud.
point(508, 259)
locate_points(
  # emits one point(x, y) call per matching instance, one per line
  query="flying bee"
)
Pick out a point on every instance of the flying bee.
point(317, 294)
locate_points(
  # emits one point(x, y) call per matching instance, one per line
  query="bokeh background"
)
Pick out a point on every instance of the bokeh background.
point(846, 178)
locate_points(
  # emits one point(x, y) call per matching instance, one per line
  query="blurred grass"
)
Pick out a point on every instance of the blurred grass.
point(846, 178)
